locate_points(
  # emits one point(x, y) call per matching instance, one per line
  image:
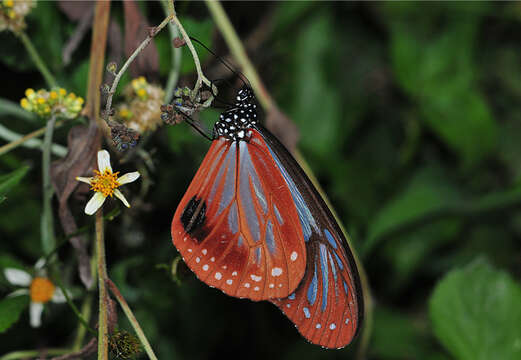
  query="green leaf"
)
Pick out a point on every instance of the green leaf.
point(427, 192)
point(396, 335)
point(10, 310)
point(437, 69)
point(476, 313)
point(12, 179)
point(316, 110)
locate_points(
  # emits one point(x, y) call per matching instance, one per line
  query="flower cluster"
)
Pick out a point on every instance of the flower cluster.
point(141, 110)
point(13, 12)
point(57, 102)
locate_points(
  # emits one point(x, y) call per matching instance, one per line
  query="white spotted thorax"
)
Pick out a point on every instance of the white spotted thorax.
point(235, 123)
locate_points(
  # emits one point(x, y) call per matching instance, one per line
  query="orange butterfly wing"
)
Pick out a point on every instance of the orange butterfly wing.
point(238, 231)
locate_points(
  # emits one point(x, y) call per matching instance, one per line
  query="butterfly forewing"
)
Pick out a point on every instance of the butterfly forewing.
point(327, 306)
point(237, 230)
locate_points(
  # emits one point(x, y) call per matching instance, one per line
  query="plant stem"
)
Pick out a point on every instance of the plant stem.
point(200, 76)
point(9, 135)
point(133, 321)
point(14, 144)
point(11, 108)
point(86, 309)
point(80, 317)
point(102, 279)
point(136, 52)
point(173, 76)
point(26, 354)
point(51, 81)
point(48, 240)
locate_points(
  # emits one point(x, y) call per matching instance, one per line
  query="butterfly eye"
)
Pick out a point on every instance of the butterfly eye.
point(124, 146)
point(133, 143)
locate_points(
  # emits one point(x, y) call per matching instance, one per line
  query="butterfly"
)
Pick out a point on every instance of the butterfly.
point(253, 225)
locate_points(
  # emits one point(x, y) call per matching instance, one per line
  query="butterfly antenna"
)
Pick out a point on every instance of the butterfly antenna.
point(195, 125)
point(239, 74)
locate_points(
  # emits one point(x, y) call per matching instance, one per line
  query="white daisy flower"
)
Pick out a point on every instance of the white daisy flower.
point(105, 183)
point(39, 287)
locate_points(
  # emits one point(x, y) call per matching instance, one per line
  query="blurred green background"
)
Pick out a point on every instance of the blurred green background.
point(409, 117)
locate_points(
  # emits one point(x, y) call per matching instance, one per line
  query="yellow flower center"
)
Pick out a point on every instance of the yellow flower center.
point(105, 182)
point(41, 290)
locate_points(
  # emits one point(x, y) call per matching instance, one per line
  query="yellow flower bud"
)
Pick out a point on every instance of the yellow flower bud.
point(29, 92)
point(62, 91)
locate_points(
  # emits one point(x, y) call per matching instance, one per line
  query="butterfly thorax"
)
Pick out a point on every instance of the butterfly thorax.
point(235, 122)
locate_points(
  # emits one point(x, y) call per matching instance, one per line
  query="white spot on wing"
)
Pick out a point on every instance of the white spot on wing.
point(218, 275)
point(293, 256)
point(276, 271)
point(204, 251)
point(332, 326)
point(247, 285)
point(229, 281)
point(256, 278)
point(205, 267)
point(197, 259)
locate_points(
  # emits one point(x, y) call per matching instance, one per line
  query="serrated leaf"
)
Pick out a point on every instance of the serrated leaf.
point(10, 310)
point(8, 181)
point(476, 313)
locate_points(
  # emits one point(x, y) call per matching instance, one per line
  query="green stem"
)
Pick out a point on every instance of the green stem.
point(129, 61)
point(14, 144)
point(51, 81)
point(74, 308)
point(173, 76)
point(86, 309)
point(48, 240)
point(133, 321)
point(10, 135)
point(11, 108)
point(103, 296)
point(30, 354)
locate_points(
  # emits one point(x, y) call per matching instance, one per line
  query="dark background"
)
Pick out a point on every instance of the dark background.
point(408, 115)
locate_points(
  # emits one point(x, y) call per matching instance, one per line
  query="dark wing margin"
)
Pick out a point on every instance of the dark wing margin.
point(327, 308)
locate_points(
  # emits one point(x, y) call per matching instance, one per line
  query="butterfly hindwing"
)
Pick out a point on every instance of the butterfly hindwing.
point(327, 307)
point(237, 230)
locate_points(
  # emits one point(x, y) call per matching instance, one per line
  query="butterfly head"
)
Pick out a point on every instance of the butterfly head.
point(235, 122)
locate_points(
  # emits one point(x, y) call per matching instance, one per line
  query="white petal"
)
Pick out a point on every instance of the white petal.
point(104, 161)
point(40, 264)
point(18, 277)
point(18, 293)
point(58, 296)
point(120, 196)
point(84, 179)
point(35, 314)
point(94, 203)
point(128, 178)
